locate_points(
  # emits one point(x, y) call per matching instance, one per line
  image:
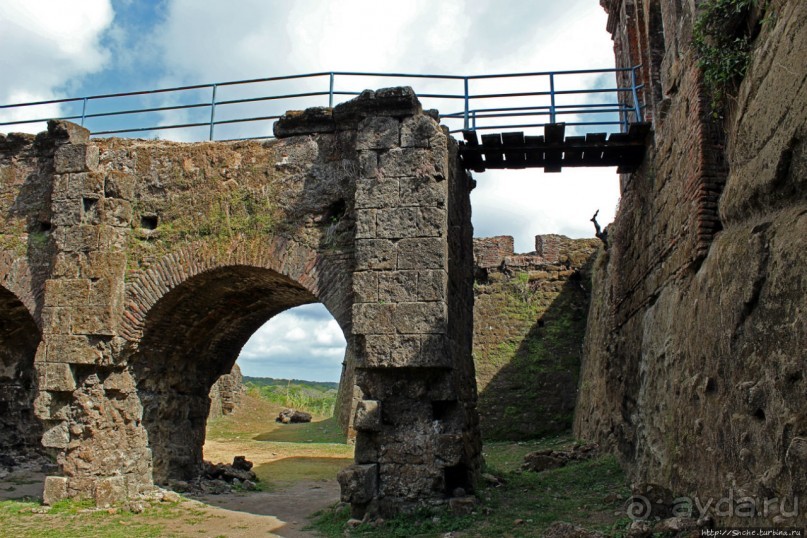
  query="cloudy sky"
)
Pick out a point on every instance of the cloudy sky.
point(66, 48)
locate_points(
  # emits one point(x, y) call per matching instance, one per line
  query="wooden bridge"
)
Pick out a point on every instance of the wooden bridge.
point(554, 150)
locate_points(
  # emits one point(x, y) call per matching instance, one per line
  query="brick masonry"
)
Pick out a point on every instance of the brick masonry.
point(694, 354)
point(137, 269)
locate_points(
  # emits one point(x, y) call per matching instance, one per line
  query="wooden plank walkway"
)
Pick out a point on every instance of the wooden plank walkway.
point(554, 150)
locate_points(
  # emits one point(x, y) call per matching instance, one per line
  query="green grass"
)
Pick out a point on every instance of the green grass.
point(75, 519)
point(311, 397)
point(290, 470)
point(322, 431)
point(576, 493)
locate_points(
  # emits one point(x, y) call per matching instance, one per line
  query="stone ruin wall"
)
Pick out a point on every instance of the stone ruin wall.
point(529, 321)
point(135, 270)
point(226, 393)
point(694, 361)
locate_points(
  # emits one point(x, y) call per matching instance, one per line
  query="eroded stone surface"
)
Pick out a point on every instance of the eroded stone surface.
point(694, 358)
point(144, 266)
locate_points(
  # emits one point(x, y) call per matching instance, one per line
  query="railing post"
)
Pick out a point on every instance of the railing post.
point(213, 112)
point(551, 97)
point(637, 110)
point(330, 92)
point(83, 111)
point(466, 106)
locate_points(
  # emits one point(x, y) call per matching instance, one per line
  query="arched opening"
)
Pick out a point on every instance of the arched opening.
point(191, 337)
point(284, 419)
point(20, 430)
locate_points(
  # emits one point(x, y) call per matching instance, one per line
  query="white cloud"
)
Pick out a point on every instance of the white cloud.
point(304, 342)
point(204, 40)
point(47, 45)
point(56, 43)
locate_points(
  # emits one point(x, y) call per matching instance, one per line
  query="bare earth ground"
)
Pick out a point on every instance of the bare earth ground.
point(296, 465)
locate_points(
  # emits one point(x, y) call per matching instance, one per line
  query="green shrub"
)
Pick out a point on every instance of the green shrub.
point(723, 45)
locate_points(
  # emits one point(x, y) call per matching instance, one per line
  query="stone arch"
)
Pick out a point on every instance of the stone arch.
point(192, 312)
point(20, 336)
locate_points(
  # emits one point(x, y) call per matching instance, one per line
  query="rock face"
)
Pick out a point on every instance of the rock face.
point(226, 393)
point(529, 322)
point(293, 416)
point(695, 352)
point(133, 271)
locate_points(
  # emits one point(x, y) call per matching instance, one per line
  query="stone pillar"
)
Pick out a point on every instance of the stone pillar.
point(411, 419)
point(87, 403)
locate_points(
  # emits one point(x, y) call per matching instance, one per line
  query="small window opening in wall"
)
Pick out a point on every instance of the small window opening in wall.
point(149, 222)
point(443, 409)
point(43, 226)
point(90, 210)
point(89, 204)
point(335, 211)
point(457, 478)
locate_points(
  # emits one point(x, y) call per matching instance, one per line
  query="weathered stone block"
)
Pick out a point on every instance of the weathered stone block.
point(376, 193)
point(119, 185)
point(378, 132)
point(366, 224)
point(422, 253)
point(70, 349)
point(397, 286)
point(435, 348)
point(399, 351)
point(431, 222)
point(449, 448)
point(359, 483)
point(368, 416)
point(365, 287)
point(57, 377)
point(376, 351)
point(109, 491)
point(66, 212)
point(66, 132)
point(46, 407)
point(98, 320)
point(75, 158)
point(55, 490)
point(371, 318)
point(410, 162)
point(67, 292)
point(105, 265)
point(115, 212)
point(112, 238)
point(56, 320)
point(422, 191)
point(432, 285)
point(418, 132)
point(396, 102)
point(366, 449)
point(420, 318)
point(368, 164)
point(56, 436)
point(397, 222)
point(81, 238)
point(301, 122)
point(104, 291)
point(375, 254)
point(405, 353)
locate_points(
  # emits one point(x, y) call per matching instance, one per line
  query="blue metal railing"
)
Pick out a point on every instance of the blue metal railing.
point(531, 97)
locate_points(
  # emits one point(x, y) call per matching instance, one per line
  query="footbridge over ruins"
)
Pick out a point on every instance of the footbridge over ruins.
point(132, 272)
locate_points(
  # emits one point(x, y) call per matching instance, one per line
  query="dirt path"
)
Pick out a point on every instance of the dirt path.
point(282, 512)
point(290, 506)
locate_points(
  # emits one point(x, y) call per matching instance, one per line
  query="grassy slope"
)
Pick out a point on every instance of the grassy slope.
point(524, 506)
point(286, 454)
